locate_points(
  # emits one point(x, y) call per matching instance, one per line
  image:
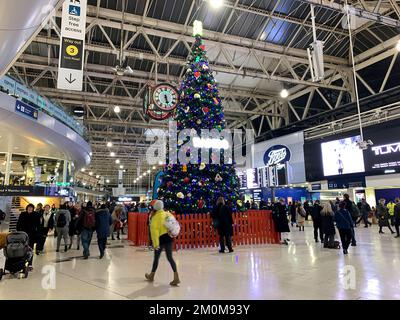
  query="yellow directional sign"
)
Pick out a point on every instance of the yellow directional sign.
point(72, 50)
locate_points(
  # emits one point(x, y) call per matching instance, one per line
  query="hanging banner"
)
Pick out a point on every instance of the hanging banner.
point(73, 26)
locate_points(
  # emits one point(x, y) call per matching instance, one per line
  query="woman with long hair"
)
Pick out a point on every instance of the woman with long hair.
point(328, 225)
point(301, 216)
point(117, 223)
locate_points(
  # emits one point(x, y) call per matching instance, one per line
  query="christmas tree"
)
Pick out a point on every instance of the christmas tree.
point(194, 187)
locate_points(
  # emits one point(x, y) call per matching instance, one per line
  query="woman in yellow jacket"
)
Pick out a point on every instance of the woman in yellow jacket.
point(161, 240)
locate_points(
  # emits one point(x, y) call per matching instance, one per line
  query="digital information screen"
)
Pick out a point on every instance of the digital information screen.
point(342, 156)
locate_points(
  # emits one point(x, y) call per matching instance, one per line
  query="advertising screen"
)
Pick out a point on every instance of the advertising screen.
point(342, 156)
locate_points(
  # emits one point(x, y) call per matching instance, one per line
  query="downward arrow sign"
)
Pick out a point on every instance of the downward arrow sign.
point(70, 80)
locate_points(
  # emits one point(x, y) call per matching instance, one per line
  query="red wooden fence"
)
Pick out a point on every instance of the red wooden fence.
point(251, 227)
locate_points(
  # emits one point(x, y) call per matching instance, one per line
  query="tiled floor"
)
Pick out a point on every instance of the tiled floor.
point(302, 270)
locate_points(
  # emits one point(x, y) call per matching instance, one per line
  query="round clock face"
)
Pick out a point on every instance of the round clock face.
point(165, 97)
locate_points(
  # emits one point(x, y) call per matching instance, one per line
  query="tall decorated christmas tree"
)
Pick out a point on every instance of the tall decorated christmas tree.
point(194, 187)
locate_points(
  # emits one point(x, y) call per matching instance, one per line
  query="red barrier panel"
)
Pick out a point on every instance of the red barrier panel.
point(251, 227)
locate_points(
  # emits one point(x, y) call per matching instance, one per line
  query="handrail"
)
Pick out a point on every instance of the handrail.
point(16, 89)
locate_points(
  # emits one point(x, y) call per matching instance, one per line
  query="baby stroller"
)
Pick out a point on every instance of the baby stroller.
point(17, 253)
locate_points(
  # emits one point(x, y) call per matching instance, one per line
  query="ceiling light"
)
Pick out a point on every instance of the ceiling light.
point(117, 161)
point(83, 170)
point(148, 171)
point(71, 180)
point(112, 154)
point(90, 153)
point(124, 170)
point(90, 173)
point(144, 174)
point(117, 109)
point(121, 166)
point(154, 167)
point(284, 93)
point(216, 3)
point(84, 183)
point(107, 181)
point(97, 176)
point(160, 163)
point(109, 144)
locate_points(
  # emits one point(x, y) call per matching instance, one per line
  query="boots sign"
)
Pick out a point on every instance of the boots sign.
point(73, 26)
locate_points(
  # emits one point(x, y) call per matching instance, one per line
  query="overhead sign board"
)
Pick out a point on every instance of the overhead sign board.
point(26, 109)
point(73, 26)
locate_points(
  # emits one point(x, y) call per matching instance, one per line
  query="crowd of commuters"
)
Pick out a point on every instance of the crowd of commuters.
point(72, 223)
point(344, 213)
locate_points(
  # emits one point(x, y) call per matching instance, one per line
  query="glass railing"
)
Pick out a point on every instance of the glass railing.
point(18, 90)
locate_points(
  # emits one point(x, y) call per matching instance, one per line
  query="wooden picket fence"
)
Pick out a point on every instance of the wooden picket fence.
point(250, 228)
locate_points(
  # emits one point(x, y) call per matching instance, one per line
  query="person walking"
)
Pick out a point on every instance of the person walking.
point(86, 225)
point(116, 225)
point(390, 207)
point(103, 223)
point(328, 225)
point(365, 209)
point(292, 211)
point(307, 209)
point(383, 216)
point(316, 216)
point(352, 208)
point(29, 222)
point(73, 230)
point(344, 223)
point(222, 216)
point(300, 216)
point(46, 225)
point(281, 221)
point(397, 217)
point(161, 241)
point(62, 219)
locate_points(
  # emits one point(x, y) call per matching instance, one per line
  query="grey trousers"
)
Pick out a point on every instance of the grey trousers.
point(62, 233)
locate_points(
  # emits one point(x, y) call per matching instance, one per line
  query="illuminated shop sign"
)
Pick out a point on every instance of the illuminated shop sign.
point(278, 154)
point(386, 149)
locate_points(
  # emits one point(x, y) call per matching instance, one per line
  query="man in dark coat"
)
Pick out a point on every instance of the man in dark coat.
point(316, 216)
point(29, 222)
point(279, 216)
point(103, 223)
point(222, 215)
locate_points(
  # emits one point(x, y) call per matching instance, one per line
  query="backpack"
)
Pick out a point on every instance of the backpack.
point(172, 225)
point(62, 220)
point(355, 212)
point(89, 221)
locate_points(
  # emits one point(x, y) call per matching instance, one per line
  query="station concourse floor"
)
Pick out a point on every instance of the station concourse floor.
point(302, 270)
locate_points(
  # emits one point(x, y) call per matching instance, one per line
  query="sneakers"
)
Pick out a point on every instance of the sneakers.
point(101, 255)
point(221, 251)
point(345, 251)
point(65, 248)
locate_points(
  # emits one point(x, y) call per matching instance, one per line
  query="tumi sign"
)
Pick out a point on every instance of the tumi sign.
point(386, 148)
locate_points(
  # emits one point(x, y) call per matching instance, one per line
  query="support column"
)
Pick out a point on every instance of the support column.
point(65, 172)
point(8, 169)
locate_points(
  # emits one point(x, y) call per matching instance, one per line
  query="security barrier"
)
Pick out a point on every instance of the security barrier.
point(251, 227)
